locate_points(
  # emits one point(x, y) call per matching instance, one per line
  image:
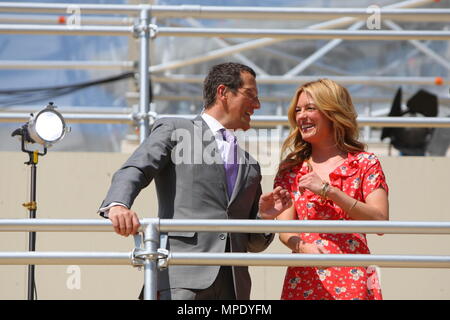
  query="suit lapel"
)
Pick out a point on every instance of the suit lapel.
point(210, 156)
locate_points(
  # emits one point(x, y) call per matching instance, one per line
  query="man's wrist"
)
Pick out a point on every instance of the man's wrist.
point(266, 234)
point(105, 210)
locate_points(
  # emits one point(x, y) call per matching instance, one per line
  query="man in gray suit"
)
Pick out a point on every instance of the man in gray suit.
point(201, 173)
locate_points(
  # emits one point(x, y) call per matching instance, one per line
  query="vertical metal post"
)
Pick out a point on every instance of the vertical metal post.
point(144, 94)
point(32, 235)
point(151, 241)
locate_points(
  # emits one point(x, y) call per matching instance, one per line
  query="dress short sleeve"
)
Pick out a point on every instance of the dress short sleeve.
point(373, 178)
point(279, 181)
point(282, 180)
point(287, 180)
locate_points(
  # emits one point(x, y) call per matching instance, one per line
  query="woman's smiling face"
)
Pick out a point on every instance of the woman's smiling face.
point(313, 125)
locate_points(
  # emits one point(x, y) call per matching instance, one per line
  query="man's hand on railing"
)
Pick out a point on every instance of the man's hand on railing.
point(271, 204)
point(125, 221)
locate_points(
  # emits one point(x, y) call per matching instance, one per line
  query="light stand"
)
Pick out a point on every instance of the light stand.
point(46, 128)
point(32, 207)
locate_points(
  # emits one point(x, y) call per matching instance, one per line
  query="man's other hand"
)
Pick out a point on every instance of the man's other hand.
point(125, 221)
point(273, 203)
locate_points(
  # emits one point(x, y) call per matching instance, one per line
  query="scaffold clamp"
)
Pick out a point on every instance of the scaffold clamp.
point(139, 255)
point(153, 30)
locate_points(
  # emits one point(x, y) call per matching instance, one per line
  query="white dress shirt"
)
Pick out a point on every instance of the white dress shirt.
point(215, 126)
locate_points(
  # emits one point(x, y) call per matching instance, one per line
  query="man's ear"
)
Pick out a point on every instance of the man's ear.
point(221, 91)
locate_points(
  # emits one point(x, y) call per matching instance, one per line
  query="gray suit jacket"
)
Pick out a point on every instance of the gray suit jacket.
point(182, 157)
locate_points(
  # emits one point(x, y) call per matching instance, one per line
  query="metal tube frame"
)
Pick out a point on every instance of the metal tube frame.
point(257, 121)
point(227, 259)
point(144, 103)
point(283, 99)
point(151, 257)
point(421, 47)
point(218, 12)
point(215, 54)
point(240, 225)
point(268, 79)
point(66, 64)
point(319, 53)
point(151, 242)
point(285, 34)
point(394, 11)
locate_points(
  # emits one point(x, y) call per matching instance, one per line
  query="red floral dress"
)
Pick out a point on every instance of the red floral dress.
point(358, 176)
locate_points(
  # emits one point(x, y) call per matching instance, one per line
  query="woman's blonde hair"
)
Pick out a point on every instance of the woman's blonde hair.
point(335, 103)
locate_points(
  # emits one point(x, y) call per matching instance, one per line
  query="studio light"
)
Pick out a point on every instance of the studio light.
point(46, 128)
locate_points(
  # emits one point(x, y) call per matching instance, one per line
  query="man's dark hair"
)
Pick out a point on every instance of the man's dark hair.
point(228, 74)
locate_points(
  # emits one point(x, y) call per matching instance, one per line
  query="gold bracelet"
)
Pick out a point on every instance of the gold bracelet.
point(324, 190)
point(354, 204)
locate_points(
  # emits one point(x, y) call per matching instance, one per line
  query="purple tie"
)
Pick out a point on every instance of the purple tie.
point(231, 165)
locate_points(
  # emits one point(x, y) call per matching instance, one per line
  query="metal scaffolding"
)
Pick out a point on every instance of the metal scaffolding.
point(149, 23)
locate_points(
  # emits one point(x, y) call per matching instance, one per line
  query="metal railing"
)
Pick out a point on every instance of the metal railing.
point(286, 34)
point(147, 253)
point(257, 121)
point(229, 12)
point(143, 30)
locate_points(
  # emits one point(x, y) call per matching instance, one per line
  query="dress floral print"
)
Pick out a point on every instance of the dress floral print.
point(358, 176)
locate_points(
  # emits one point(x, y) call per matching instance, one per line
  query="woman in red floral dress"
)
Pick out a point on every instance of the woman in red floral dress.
point(330, 177)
